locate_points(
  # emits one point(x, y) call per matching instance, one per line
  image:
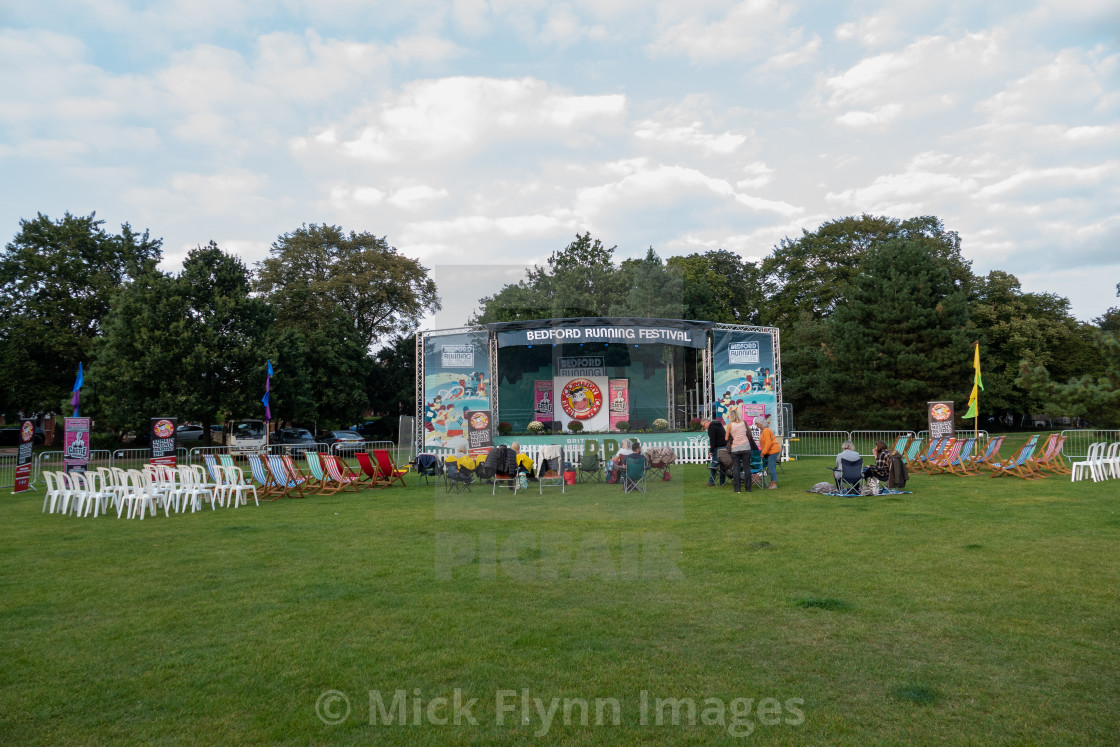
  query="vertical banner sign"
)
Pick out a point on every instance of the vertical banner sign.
point(456, 379)
point(542, 401)
point(23, 461)
point(480, 435)
point(75, 444)
point(619, 401)
point(743, 365)
point(941, 421)
point(164, 437)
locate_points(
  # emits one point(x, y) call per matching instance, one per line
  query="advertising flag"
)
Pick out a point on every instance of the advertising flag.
point(977, 384)
point(77, 397)
point(267, 389)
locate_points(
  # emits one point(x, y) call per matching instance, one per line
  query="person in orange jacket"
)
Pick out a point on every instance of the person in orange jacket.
point(770, 447)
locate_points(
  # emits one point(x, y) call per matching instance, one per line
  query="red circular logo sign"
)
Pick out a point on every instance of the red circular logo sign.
point(581, 399)
point(164, 429)
point(940, 412)
point(27, 432)
point(479, 420)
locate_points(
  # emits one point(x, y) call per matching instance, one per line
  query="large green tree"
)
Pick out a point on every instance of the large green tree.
point(579, 280)
point(652, 290)
point(812, 273)
point(720, 286)
point(56, 280)
point(1095, 397)
point(897, 339)
point(189, 345)
point(1013, 326)
point(316, 270)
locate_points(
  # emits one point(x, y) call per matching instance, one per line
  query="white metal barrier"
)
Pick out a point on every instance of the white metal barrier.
point(1078, 441)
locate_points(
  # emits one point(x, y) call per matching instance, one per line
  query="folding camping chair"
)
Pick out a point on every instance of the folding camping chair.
point(1017, 466)
point(759, 476)
point(428, 467)
point(990, 455)
point(634, 473)
point(850, 481)
point(457, 481)
point(658, 459)
point(550, 468)
point(590, 468)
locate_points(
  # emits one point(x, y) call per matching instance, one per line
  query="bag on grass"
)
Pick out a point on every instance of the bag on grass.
point(522, 481)
point(824, 488)
point(870, 486)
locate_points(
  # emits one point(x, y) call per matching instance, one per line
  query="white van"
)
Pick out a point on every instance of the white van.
point(246, 437)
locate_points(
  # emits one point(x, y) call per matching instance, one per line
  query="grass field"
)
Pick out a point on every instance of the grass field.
point(972, 611)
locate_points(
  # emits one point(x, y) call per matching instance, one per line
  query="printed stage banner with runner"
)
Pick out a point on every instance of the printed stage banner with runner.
point(165, 436)
point(23, 460)
point(620, 401)
point(75, 444)
point(456, 379)
point(542, 401)
point(581, 386)
point(743, 372)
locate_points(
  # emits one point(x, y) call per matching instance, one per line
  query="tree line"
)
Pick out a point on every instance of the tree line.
point(877, 316)
point(195, 344)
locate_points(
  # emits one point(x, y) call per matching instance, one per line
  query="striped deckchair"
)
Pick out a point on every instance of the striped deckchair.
point(319, 480)
point(911, 454)
point(261, 473)
point(387, 468)
point(294, 473)
point(286, 484)
point(1051, 458)
point(937, 446)
point(955, 460)
point(990, 455)
point(1015, 466)
point(340, 473)
point(900, 444)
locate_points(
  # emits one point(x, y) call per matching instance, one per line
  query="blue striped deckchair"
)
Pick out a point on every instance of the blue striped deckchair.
point(991, 454)
point(269, 486)
point(286, 484)
point(1016, 466)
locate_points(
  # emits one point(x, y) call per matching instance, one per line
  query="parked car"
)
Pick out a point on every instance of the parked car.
point(347, 440)
point(190, 433)
point(295, 440)
point(9, 436)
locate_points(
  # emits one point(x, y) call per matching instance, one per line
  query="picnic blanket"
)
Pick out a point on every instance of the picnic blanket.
point(824, 488)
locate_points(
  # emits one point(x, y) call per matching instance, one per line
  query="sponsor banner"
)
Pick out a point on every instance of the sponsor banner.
point(480, 432)
point(625, 330)
point(23, 461)
point(456, 379)
point(619, 399)
point(580, 366)
point(75, 444)
point(165, 436)
point(941, 420)
point(582, 398)
point(743, 373)
point(542, 401)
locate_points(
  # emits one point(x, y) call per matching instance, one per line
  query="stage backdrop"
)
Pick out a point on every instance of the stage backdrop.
point(456, 379)
point(743, 373)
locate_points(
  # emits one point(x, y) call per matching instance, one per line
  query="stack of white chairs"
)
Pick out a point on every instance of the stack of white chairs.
point(1101, 463)
point(236, 487)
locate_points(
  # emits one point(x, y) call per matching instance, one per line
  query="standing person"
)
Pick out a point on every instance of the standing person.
point(740, 443)
point(770, 448)
point(717, 439)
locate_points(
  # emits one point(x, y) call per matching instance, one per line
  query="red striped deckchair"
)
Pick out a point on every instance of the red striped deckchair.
point(1051, 457)
point(340, 473)
point(936, 446)
point(957, 463)
point(295, 475)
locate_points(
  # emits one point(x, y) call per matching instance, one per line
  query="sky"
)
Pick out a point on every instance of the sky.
point(480, 136)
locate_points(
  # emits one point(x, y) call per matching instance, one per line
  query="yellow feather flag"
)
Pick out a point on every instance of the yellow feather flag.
point(977, 385)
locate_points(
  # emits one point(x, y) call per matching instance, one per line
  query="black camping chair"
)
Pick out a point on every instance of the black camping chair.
point(428, 467)
point(457, 481)
point(850, 481)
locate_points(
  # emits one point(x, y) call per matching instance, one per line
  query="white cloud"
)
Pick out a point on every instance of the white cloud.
point(448, 117)
point(690, 135)
point(751, 30)
point(412, 198)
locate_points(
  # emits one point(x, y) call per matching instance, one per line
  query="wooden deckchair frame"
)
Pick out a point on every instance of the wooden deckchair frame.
point(1015, 466)
point(338, 471)
point(269, 486)
point(388, 468)
point(990, 455)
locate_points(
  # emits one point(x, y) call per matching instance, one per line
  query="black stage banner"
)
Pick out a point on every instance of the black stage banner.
point(630, 331)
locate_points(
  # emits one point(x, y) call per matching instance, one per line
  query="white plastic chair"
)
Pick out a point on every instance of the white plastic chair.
point(1092, 464)
point(138, 495)
point(54, 490)
point(96, 497)
point(236, 487)
point(1110, 461)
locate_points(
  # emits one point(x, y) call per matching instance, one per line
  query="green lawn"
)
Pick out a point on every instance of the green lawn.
point(972, 611)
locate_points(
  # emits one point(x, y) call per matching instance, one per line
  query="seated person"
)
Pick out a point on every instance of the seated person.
point(616, 460)
point(881, 470)
point(848, 451)
point(466, 462)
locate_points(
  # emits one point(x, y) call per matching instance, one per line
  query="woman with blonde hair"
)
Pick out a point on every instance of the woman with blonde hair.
point(740, 443)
